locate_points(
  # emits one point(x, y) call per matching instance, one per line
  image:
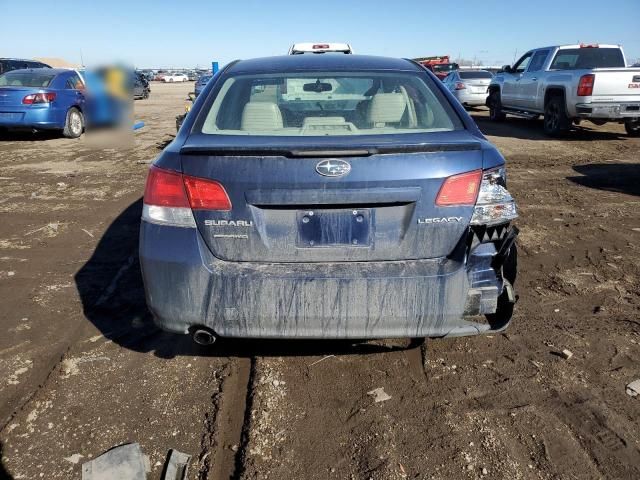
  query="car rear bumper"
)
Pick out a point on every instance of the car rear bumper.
point(41, 118)
point(467, 98)
point(186, 286)
point(608, 111)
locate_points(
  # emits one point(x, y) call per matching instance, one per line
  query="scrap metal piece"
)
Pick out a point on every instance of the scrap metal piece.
point(177, 466)
point(125, 462)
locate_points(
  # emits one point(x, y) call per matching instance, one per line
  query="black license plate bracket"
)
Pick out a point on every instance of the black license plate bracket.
point(331, 228)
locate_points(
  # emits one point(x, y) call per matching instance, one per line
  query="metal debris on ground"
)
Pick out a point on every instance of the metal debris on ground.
point(177, 466)
point(633, 389)
point(566, 354)
point(125, 462)
point(379, 395)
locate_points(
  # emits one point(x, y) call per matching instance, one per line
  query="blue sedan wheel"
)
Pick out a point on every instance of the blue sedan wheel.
point(74, 124)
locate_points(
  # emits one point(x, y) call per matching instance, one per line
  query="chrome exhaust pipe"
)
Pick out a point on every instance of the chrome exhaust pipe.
point(204, 337)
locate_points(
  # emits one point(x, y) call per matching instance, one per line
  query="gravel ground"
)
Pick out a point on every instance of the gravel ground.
point(83, 369)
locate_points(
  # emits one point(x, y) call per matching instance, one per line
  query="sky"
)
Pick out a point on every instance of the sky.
point(176, 34)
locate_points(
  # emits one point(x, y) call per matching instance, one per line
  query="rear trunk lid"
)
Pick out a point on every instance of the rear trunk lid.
point(478, 85)
point(285, 210)
point(12, 96)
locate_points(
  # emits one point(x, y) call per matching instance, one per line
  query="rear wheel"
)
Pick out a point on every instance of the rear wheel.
point(632, 127)
point(74, 124)
point(495, 107)
point(556, 121)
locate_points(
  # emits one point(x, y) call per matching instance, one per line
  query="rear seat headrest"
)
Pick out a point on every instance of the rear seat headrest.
point(386, 108)
point(261, 116)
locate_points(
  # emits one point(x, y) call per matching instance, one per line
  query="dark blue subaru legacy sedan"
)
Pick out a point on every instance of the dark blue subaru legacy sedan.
point(328, 196)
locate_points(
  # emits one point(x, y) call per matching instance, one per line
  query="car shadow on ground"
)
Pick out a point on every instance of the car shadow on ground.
point(612, 177)
point(524, 129)
point(4, 474)
point(112, 294)
point(25, 136)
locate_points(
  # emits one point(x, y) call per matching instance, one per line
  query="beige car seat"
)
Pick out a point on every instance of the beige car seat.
point(386, 108)
point(261, 116)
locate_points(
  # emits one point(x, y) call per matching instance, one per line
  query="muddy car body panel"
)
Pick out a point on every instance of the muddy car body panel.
point(245, 234)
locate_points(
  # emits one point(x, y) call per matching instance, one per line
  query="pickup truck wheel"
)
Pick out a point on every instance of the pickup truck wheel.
point(495, 107)
point(632, 128)
point(556, 121)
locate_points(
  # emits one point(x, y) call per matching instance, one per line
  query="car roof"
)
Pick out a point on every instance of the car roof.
point(576, 45)
point(323, 61)
point(54, 71)
point(21, 60)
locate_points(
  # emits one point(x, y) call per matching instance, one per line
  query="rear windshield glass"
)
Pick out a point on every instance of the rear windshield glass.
point(472, 75)
point(583, 58)
point(329, 104)
point(25, 79)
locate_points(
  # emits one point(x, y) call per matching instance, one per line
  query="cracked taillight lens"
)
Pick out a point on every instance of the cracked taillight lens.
point(494, 205)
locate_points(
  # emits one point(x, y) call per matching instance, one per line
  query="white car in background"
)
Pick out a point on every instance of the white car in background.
point(175, 77)
point(299, 48)
point(470, 87)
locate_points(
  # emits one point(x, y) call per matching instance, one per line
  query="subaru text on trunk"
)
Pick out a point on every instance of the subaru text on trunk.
point(328, 196)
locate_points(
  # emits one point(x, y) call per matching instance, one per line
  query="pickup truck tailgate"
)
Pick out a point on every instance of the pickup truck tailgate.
point(616, 84)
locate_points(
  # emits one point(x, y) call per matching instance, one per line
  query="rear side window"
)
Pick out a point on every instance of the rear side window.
point(474, 75)
point(25, 79)
point(585, 58)
point(74, 83)
point(329, 104)
point(538, 61)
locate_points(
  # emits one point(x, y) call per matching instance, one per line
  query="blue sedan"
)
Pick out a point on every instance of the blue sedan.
point(43, 99)
point(328, 196)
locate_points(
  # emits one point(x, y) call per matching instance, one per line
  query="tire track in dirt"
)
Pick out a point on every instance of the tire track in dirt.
point(222, 443)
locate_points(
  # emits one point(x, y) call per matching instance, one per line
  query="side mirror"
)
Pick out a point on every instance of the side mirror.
point(506, 68)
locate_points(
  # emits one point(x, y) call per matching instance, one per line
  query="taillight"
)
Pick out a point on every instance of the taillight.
point(585, 86)
point(460, 86)
point(320, 46)
point(206, 194)
point(170, 197)
point(460, 189)
point(165, 189)
point(494, 205)
point(46, 97)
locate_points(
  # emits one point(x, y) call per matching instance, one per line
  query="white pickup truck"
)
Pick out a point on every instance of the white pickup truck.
point(567, 84)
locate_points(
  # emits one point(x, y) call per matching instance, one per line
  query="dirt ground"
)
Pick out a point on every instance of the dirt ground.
point(82, 369)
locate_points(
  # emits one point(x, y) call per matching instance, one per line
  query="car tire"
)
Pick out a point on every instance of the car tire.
point(74, 123)
point(632, 128)
point(495, 107)
point(556, 121)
